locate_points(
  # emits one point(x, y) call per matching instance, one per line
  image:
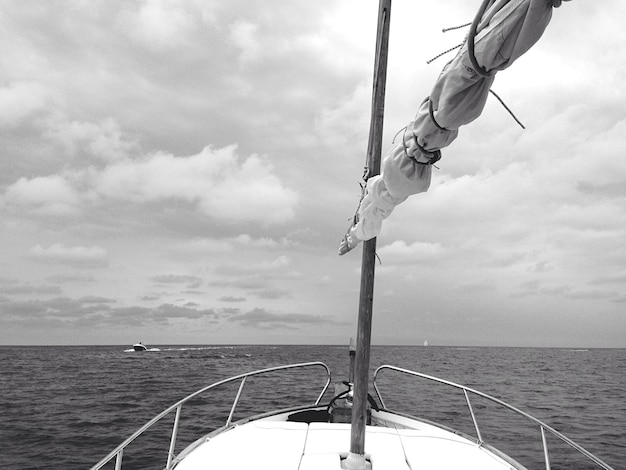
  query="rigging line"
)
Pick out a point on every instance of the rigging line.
point(445, 30)
point(445, 52)
point(507, 108)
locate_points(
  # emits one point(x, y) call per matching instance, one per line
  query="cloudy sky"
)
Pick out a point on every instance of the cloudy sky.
point(183, 171)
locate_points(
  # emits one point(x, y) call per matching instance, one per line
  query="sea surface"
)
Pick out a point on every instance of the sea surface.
point(68, 407)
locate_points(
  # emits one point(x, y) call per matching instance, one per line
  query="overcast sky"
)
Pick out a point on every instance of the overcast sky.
point(183, 171)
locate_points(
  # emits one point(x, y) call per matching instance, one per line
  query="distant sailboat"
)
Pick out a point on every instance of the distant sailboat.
point(425, 342)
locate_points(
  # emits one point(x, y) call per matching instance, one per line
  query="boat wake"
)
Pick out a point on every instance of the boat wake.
point(197, 348)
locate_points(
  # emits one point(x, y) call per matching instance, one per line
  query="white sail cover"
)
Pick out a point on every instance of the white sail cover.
point(506, 30)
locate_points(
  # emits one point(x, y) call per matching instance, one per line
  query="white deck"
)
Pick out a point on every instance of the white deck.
point(280, 445)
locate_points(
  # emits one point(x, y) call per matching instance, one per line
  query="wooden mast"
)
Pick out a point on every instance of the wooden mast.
point(356, 459)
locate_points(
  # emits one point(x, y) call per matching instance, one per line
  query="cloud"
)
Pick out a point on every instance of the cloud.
point(91, 312)
point(162, 25)
point(230, 310)
point(94, 299)
point(243, 35)
point(398, 252)
point(76, 256)
point(228, 244)
point(263, 268)
point(257, 277)
point(28, 289)
point(217, 183)
point(192, 282)
point(22, 312)
point(64, 279)
point(272, 293)
point(617, 278)
point(246, 240)
point(230, 298)
point(21, 100)
point(263, 319)
point(346, 122)
point(104, 140)
point(205, 246)
point(48, 196)
point(242, 282)
point(170, 312)
point(569, 292)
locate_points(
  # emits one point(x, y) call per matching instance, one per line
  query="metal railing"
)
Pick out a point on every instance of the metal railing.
point(467, 391)
point(118, 452)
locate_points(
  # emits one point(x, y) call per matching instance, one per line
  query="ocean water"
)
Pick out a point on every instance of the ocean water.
point(67, 407)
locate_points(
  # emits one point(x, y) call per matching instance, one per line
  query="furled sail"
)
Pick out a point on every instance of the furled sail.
point(502, 31)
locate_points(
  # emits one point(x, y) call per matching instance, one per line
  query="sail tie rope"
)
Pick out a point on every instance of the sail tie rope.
point(431, 113)
point(433, 156)
point(470, 41)
point(441, 54)
point(452, 28)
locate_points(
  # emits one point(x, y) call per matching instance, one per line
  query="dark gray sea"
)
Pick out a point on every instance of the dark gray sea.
point(67, 407)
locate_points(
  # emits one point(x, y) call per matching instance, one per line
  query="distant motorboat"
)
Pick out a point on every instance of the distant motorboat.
point(139, 347)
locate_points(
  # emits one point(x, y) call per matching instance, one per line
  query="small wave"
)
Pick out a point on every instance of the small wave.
point(197, 348)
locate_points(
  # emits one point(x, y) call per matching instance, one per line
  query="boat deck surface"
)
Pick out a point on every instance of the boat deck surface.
point(281, 445)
